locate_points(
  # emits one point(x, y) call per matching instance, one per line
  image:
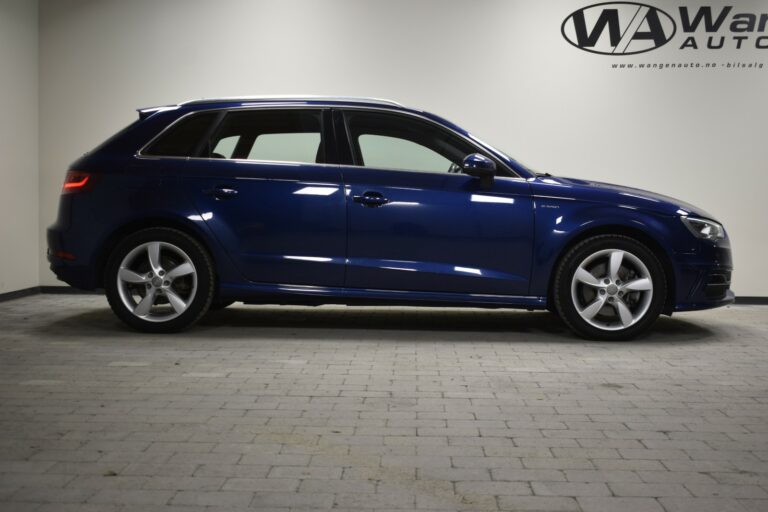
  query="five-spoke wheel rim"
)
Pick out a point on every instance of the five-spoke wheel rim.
point(157, 281)
point(612, 289)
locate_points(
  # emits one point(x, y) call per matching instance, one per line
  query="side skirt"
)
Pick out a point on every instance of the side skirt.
point(261, 293)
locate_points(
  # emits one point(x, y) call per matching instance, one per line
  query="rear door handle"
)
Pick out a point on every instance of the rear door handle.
point(222, 192)
point(371, 199)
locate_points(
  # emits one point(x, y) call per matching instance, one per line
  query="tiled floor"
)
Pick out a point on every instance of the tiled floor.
point(379, 409)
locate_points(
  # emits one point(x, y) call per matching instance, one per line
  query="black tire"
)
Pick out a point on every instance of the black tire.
point(564, 301)
point(204, 274)
point(218, 304)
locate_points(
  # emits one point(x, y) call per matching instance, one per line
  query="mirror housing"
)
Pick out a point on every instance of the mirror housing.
point(481, 167)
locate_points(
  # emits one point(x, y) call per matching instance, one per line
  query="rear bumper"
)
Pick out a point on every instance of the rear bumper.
point(69, 269)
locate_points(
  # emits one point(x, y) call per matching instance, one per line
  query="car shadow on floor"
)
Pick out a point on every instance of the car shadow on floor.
point(374, 324)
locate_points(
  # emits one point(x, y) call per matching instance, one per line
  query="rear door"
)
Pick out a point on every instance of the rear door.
point(262, 185)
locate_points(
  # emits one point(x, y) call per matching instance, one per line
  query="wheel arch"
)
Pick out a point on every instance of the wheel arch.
point(617, 229)
point(111, 241)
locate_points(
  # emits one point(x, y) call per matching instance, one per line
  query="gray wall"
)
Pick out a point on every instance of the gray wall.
point(500, 68)
point(19, 221)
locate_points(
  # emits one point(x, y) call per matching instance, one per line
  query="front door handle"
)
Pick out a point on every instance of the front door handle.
point(222, 192)
point(371, 199)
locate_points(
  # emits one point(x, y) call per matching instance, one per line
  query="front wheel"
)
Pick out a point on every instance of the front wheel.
point(609, 287)
point(159, 280)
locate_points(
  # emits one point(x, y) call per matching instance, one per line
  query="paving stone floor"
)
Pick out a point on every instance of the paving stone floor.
point(355, 409)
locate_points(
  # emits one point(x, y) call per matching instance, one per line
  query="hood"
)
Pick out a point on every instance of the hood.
point(615, 194)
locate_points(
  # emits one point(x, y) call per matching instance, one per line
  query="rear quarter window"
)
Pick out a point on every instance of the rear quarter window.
point(183, 137)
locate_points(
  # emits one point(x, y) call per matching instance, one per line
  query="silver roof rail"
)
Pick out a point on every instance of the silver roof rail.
point(351, 99)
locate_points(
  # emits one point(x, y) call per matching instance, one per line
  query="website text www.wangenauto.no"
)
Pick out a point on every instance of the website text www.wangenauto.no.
point(691, 65)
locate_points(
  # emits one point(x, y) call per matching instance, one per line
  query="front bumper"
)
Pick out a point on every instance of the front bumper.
point(704, 277)
point(728, 298)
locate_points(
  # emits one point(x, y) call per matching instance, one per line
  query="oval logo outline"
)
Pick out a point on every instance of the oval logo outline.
point(636, 4)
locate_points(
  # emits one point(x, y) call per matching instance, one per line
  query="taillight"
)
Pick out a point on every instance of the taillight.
point(64, 255)
point(75, 181)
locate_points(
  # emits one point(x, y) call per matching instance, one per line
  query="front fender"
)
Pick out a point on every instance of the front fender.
point(561, 222)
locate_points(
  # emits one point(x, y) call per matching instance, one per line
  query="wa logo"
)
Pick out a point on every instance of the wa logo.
point(618, 28)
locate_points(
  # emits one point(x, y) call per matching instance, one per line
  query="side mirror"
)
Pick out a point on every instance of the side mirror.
point(481, 167)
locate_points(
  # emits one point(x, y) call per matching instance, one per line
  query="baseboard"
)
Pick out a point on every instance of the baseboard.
point(753, 301)
point(26, 292)
point(35, 290)
point(66, 290)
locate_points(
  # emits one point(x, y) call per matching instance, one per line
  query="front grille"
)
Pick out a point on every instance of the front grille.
point(716, 284)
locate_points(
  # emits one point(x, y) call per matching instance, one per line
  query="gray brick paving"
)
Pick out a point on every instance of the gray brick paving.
point(379, 409)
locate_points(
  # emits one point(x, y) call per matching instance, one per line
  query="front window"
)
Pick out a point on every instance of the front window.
point(391, 141)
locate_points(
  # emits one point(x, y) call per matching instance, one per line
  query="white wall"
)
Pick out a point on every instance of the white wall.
point(18, 146)
point(500, 68)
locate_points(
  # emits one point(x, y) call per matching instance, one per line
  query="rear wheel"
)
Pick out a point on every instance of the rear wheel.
point(159, 280)
point(609, 287)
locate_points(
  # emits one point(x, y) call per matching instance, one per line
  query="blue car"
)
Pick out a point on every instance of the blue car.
point(316, 200)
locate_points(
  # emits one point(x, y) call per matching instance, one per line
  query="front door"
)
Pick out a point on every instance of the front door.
point(416, 223)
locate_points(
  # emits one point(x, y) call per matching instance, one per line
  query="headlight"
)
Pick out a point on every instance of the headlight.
point(703, 228)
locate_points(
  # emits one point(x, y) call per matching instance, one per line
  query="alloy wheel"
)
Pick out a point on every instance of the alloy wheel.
point(157, 281)
point(612, 289)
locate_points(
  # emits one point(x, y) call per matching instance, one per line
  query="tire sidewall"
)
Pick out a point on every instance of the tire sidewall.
point(562, 289)
point(205, 279)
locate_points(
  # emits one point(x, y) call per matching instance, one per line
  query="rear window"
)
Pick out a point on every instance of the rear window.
point(182, 138)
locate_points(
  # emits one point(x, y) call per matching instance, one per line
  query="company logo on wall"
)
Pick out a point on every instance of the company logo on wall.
point(630, 28)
